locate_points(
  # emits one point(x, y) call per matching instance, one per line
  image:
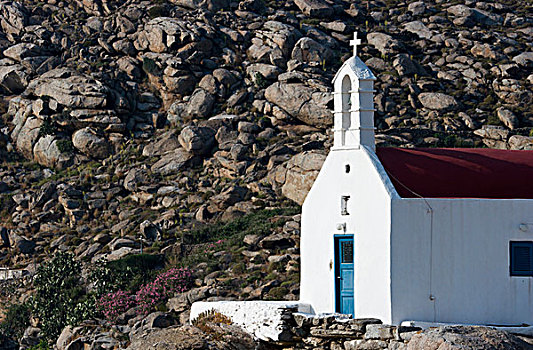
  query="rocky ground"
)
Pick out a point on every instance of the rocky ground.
point(129, 124)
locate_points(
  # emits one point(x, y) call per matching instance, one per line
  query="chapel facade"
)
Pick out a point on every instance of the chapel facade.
point(438, 235)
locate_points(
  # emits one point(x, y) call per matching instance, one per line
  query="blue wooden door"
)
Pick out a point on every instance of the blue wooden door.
point(344, 275)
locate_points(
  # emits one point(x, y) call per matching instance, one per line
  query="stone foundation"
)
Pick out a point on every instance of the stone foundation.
point(337, 331)
point(294, 323)
point(8, 274)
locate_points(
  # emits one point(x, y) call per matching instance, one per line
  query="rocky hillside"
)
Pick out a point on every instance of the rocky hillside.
point(157, 125)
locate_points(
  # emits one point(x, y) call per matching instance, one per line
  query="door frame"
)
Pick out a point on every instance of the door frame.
point(336, 268)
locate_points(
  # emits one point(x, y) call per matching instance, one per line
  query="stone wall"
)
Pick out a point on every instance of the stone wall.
point(339, 332)
point(8, 274)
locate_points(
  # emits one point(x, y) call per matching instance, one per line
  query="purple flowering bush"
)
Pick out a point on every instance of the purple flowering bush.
point(113, 304)
point(163, 287)
point(148, 296)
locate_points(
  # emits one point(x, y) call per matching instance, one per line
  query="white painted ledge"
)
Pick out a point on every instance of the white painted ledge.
point(262, 319)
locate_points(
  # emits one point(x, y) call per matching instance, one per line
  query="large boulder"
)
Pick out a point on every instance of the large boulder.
point(27, 136)
point(229, 197)
point(197, 140)
point(404, 65)
point(135, 178)
point(13, 79)
point(507, 117)
point(163, 34)
point(12, 17)
point(384, 43)
point(521, 142)
point(418, 28)
point(469, 16)
point(458, 338)
point(266, 71)
point(22, 50)
point(21, 244)
point(52, 153)
point(276, 39)
point(70, 89)
point(90, 143)
point(165, 143)
point(100, 118)
point(315, 8)
point(524, 59)
point(211, 5)
point(309, 51)
point(199, 106)
point(302, 102)
point(302, 170)
point(174, 161)
point(438, 101)
point(512, 91)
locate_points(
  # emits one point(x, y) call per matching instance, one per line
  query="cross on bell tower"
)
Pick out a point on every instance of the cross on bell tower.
point(354, 43)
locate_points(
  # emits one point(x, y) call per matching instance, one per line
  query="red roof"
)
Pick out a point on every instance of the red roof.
point(459, 172)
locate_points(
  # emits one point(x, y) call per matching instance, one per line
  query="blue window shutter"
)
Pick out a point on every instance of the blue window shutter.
point(521, 258)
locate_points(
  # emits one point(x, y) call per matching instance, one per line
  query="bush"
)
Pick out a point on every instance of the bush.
point(149, 296)
point(163, 287)
point(207, 319)
point(114, 304)
point(149, 65)
point(59, 297)
point(233, 232)
point(16, 320)
point(48, 127)
point(277, 293)
point(126, 274)
point(41, 346)
point(6, 343)
point(157, 11)
point(65, 146)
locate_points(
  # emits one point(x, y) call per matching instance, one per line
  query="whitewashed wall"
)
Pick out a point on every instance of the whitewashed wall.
point(369, 222)
point(468, 270)
point(265, 320)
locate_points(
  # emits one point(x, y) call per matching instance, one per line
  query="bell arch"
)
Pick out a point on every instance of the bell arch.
point(346, 91)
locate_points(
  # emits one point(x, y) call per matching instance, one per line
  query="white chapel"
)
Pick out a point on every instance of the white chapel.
point(437, 235)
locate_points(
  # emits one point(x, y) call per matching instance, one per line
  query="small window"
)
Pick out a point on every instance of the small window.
point(347, 252)
point(344, 205)
point(521, 256)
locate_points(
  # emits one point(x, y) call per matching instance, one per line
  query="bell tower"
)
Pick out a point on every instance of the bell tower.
point(354, 104)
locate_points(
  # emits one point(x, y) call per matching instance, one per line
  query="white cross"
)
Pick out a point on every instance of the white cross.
point(354, 43)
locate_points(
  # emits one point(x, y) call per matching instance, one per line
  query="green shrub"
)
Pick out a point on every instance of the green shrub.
point(43, 345)
point(239, 268)
point(127, 274)
point(277, 293)
point(16, 320)
point(59, 296)
point(260, 81)
point(65, 146)
point(48, 127)
point(494, 120)
point(234, 231)
point(157, 11)
point(149, 65)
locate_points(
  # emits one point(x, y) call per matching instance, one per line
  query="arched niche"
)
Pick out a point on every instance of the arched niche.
point(346, 88)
